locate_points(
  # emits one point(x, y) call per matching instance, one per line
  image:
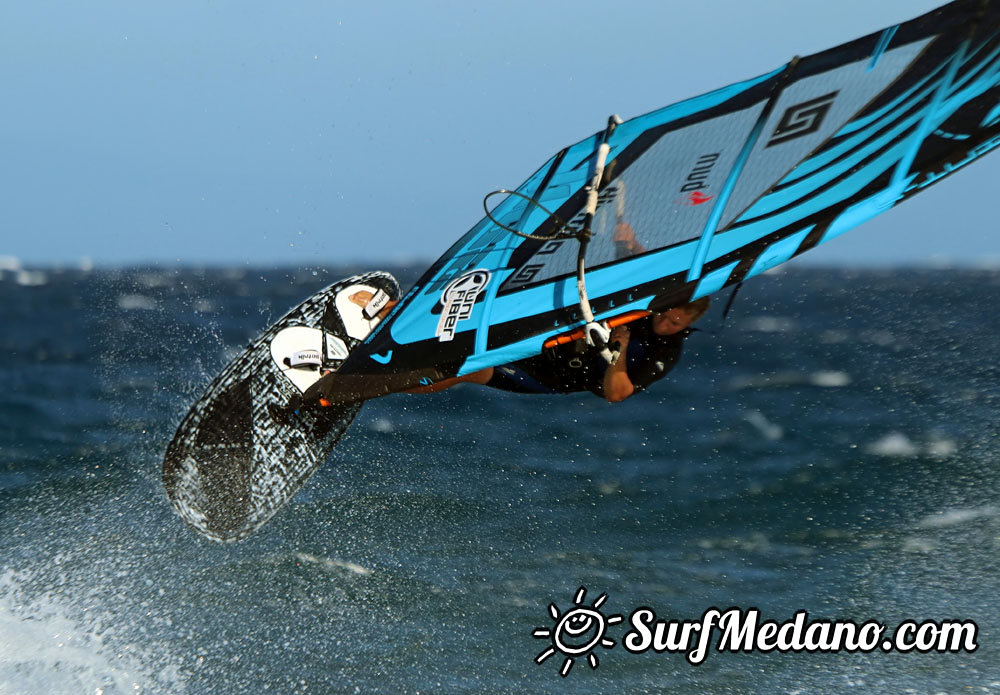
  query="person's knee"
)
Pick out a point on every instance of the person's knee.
point(481, 377)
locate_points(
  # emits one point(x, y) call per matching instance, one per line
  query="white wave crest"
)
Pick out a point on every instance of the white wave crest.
point(31, 278)
point(823, 379)
point(955, 517)
point(894, 444)
point(830, 379)
point(771, 431)
point(45, 649)
point(329, 563)
point(897, 444)
point(770, 324)
point(129, 302)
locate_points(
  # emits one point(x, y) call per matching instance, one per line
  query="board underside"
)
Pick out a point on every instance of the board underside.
point(240, 453)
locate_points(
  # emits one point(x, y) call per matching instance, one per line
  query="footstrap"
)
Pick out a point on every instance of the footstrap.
point(375, 304)
point(305, 359)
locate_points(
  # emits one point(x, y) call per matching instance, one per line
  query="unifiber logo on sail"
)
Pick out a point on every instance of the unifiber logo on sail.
point(458, 299)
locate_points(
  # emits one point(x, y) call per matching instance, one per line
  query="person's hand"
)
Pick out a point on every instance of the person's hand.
point(623, 233)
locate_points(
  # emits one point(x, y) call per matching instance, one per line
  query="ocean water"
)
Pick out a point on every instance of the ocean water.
point(832, 447)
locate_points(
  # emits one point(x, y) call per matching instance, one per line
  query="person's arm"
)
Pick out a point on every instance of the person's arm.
point(617, 384)
point(625, 242)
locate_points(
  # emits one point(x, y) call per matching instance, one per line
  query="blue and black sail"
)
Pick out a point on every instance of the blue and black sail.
point(710, 191)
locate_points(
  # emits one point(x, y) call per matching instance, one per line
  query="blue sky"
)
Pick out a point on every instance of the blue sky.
point(314, 133)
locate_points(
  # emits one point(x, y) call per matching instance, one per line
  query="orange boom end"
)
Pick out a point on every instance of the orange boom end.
point(578, 334)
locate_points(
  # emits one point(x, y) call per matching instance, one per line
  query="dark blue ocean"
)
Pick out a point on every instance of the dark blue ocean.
point(831, 447)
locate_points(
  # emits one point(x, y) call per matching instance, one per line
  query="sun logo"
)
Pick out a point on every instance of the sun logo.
point(577, 632)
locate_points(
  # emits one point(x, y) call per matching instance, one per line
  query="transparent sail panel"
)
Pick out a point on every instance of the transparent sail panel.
point(664, 198)
point(809, 112)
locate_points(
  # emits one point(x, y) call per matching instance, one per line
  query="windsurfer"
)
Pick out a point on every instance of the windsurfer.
point(648, 349)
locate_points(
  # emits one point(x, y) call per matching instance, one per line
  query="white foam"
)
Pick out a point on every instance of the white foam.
point(899, 445)
point(954, 517)
point(894, 444)
point(767, 428)
point(770, 324)
point(230, 353)
point(154, 280)
point(11, 263)
point(383, 425)
point(43, 649)
point(825, 379)
point(31, 278)
point(919, 545)
point(333, 564)
point(941, 447)
point(830, 379)
point(130, 302)
point(833, 336)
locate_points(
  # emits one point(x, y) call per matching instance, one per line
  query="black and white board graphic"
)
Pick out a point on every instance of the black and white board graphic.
point(241, 452)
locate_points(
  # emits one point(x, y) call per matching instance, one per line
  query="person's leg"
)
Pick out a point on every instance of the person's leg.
point(480, 377)
point(513, 378)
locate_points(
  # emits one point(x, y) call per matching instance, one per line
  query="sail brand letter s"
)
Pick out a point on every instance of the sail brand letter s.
point(802, 119)
point(458, 299)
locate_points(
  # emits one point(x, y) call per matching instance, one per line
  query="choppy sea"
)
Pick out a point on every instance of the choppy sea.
point(831, 447)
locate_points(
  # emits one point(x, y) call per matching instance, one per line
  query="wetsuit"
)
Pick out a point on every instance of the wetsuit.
point(575, 367)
